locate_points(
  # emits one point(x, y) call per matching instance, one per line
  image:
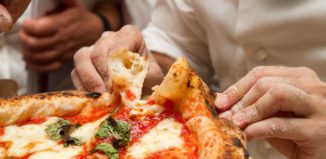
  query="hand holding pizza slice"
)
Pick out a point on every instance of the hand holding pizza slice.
point(177, 121)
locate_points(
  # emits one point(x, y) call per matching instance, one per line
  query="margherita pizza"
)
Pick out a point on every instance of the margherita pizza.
point(178, 121)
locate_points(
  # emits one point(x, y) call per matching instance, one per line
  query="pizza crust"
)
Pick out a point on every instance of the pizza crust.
point(217, 138)
point(66, 103)
point(190, 95)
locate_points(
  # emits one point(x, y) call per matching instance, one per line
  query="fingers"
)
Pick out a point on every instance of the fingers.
point(37, 43)
point(282, 128)
point(99, 54)
point(281, 98)
point(235, 92)
point(262, 86)
point(89, 77)
point(76, 80)
point(45, 26)
point(128, 37)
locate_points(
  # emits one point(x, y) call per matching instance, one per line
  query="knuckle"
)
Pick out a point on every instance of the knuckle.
point(279, 92)
point(107, 34)
point(277, 125)
point(132, 31)
point(263, 84)
point(258, 72)
point(308, 71)
point(90, 83)
point(129, 28)
point(95, 55)
point(81, 54)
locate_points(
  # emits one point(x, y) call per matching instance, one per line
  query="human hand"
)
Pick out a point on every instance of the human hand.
point(285, 105)
point(48, 42)
point(90, 72)
point(10, 11)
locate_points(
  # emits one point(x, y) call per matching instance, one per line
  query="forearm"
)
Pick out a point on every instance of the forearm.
point(111, 10)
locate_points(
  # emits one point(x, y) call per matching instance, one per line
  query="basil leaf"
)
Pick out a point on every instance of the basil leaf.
point(61, 130)
point(57, 130)
point(108, 149)
point(71, 141)
point(118, 129)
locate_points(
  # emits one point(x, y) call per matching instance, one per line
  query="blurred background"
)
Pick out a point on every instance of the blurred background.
point(37, 54)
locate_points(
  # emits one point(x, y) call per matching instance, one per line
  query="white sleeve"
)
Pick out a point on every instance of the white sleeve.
point(175, 31)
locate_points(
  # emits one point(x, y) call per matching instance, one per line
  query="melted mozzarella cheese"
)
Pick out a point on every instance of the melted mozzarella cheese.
point(32, 139)
point(163, 136)
point(141, 108)
point(28, 138)
point(66, 153)
point(88, 131)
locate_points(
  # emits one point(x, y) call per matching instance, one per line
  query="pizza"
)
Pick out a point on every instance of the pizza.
point(178, 121)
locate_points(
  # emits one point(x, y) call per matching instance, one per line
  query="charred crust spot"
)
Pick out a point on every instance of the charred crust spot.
point(49, 94)
point(237, 142)
point(188, 83)
point(42, 96)
point(212, 94)
point(206, 101)
point(93, 95)
point(211, 107)
point(174, 74)
point(67, 94)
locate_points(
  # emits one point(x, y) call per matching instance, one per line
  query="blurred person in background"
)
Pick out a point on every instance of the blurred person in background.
point(49, 41)
point(282, 101)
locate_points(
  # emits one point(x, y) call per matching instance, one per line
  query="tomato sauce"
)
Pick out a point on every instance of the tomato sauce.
point(6, 145)
point(24, 157)
point(2, 130)
point(96, 113)
point(130, 95)
point(32, 121)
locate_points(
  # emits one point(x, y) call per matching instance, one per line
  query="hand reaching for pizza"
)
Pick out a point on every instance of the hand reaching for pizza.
point(91, 69)
point(48, 42)
point(285, 105)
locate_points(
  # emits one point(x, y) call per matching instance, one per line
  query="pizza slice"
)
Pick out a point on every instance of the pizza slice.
point(178, 121)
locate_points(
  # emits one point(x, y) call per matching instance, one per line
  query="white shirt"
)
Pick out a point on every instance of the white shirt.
point(224, 39)
point(138, 12)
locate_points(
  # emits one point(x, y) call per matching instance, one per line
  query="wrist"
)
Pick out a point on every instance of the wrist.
point(105, 22)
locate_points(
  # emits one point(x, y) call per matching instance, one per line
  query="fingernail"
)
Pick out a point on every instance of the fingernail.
point(99, 89)
point(239, 119)
point(226, 115)
point(221, 101)
point(231, 91)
